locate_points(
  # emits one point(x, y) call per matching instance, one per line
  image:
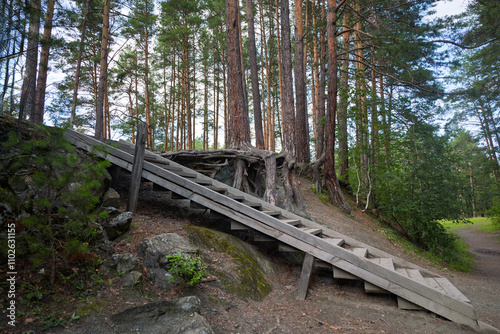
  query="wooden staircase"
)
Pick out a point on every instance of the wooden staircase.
point(415, 287)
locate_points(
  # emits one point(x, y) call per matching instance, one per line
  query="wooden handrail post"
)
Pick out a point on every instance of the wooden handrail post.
point(135, 180)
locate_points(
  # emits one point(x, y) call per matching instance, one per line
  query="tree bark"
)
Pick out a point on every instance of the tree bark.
point(301, 121)
point(147, 103)
point(238, 121)
point(254, 74)
point(343, 106)
point(41, 84)
point(99, 122)
point(331, 180)
point(28, 90)
point(79, 64)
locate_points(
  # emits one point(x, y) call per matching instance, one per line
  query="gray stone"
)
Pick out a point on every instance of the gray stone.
point(111, 199)
point(196, 324)
point(153, 251)
point(161, 278)
point(121, 263)
point(131, 279)
point(117, 226)
point(162, 317)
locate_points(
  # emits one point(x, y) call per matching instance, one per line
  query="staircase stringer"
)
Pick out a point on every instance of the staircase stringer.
point(389, 280)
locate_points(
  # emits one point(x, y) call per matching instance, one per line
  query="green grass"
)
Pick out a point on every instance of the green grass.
point(484, 224)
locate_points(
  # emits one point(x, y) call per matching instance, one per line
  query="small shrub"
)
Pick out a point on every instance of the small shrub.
point(189, 269)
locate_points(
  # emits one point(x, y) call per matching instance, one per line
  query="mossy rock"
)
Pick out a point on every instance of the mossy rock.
point(251, 266)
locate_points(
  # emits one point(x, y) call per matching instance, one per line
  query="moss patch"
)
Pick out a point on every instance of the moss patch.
point(91, 306)
point(249, 281)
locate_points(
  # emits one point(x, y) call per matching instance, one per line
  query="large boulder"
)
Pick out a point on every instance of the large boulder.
point(247, 279)
point(153, 252)
point(179, 317)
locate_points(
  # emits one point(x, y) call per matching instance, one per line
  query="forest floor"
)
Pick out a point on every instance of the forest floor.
point(330, 306)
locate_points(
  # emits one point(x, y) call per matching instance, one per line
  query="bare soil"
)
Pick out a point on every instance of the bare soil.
point(332, 306)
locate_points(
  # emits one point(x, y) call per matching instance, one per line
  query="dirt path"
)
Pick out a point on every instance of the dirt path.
point(482, 286)
point(486, 249)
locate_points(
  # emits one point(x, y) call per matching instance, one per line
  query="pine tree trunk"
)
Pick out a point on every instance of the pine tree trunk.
point(79, 64)
point(147, 103)
point(41, 85)
point(259, 135)
point(331, 180)
point(238, 122)
point(343, 106)
point(28, 90)
point(301, 122)
point(99, 124)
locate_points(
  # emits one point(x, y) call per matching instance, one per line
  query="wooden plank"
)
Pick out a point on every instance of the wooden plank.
point(135, 180)
point(360, 251)
point(450, 289)
point(253, 205)
point(272, 213)
point(322, 264)
point(235, 226)
point(312, 231)
point(363, 273)
point(339, 273)
point(446, 307)
point(371, 288)
point(385, 262)
point(407, 305)
point(293, 222)
point(335, 241)
point(305, 277)
point(203, 182)
point(236, 197)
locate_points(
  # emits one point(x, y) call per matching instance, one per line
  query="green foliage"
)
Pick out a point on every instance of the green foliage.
point(494, 213)
point(55, 191)
point(189, 269)
point(420, 188)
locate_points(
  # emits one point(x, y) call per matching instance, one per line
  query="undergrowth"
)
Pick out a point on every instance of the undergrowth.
point(457, 255)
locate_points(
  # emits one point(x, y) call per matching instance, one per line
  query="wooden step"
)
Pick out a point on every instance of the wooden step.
point(235, 226)
point(313, 231)
point(293, 222)
point(238, 198)
point(360, 251)
point(272, 213)
point(371, 288)
point(187, 175)
point(203, 182)
point(385, 262)
point(220, 190)
point(322, 264)
point(339, 273)
point(254, 205)
point(407, 305)
point(335, 241)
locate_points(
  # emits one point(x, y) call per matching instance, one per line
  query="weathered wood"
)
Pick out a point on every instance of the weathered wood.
point(135, 180)
point(402, 285)
point(305, 276)
point(339, 273)
point(406, 305)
